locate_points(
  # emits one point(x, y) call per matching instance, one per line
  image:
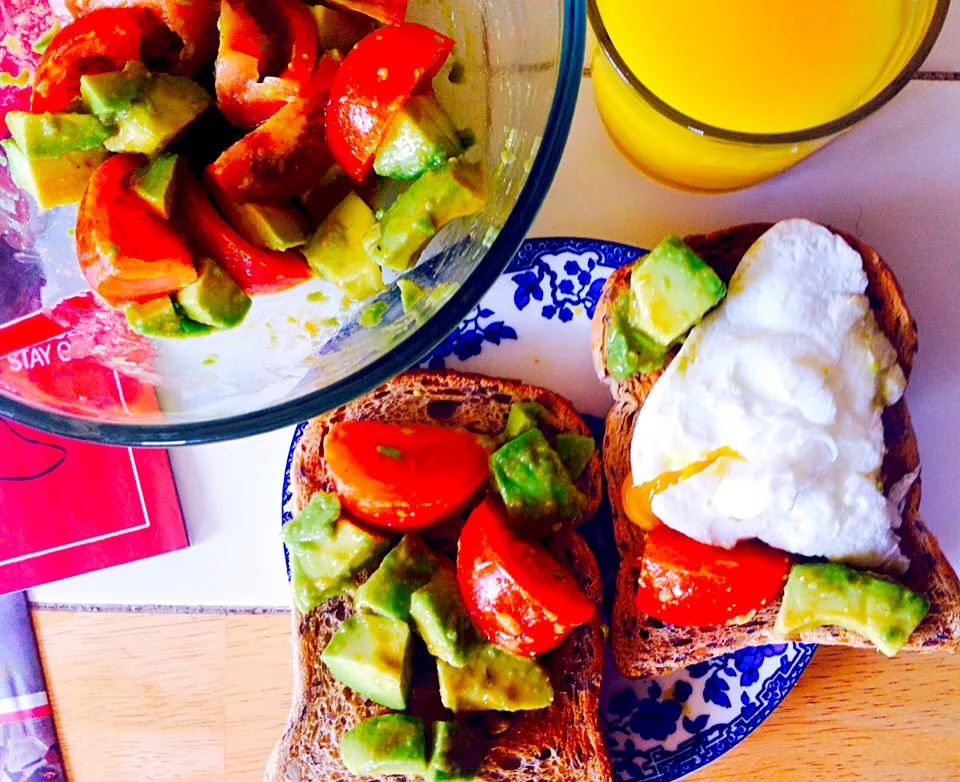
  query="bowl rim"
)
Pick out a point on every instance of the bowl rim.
point(820, 131)
point(402, 356)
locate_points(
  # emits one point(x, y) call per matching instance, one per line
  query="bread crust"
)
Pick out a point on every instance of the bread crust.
point(643, 646)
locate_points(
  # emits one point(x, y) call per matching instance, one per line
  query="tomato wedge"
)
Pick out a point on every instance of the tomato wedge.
point(685, 582)
point(102, 41)
point(377, 77)
point(286, 155)
point(253, 269)
point(404, 476)
point(247, 92)
point(126, 252)
point(386, 11)
point(519, 597)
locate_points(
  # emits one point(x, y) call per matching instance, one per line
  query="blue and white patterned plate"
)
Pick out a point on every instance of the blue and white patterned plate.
point(534, 324)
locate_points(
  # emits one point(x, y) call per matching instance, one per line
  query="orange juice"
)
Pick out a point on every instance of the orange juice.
point(743, 67)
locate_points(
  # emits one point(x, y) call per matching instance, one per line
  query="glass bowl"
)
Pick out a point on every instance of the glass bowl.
point(71, 367)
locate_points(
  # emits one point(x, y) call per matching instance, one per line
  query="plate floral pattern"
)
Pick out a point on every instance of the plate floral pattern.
point(534, 324)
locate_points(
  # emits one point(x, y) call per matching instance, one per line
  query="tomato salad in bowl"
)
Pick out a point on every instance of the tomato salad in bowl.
point(223, 150)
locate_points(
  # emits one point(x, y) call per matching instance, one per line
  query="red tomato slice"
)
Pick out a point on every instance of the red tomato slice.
point(253, 269)
point(377, 77)
point(247, 92)
point(519, 597)
point(193, 23)
point(102, 41)
point(404, 477)
point(386, 11)
point(126, 252)
point(685, 582)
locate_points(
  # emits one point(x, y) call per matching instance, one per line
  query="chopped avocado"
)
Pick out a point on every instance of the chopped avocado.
point(421, 137)
point(439, 196)
point(494, 680)
point(108, 94)
point(214, 299)
point(533, 481)
point(403, 571)
point(386, 745)
point(328, 550)
point(55, 134)
point(457, 753)
point(522, 417)
point(440, 616)
point(336, 250)
point(629, 351)
point(159, 114)
point(373, 655)
point(410, 293)
point(53, 181)
point(273, 226)
point(156, 182)
point(384, 195)
point(883, 611)
point(671, 289)
point(160, 318)
point(372, 314)
point(575, 451)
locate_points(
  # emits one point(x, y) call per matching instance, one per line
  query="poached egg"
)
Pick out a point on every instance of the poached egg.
point(767, 424)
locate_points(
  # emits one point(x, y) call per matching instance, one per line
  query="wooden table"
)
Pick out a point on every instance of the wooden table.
point(203, 697)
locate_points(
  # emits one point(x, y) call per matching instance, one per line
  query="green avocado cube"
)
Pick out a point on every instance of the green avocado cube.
point(336, 251)
point(420, 137)
point(156, 183)
point(373, 655)
point(441, 618)
point(629, 351)
point(386, 745)
point(881, 610)
point(55, 134)
point(523, 416)
point(671, 289)
point(108, 94)
point(159, 114)
point(494, 680)
point(53, 181)
point(533, 482)
point(160, 317)
point(410, 293)
point(442, 194)
point(575, 451)
point(214, 299)
point(457, 753)
point(401, 573)
point(273, 226)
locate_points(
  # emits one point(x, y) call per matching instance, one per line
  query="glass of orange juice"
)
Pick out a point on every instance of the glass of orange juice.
point(716, 95)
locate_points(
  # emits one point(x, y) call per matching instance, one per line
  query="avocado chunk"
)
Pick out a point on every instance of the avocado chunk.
point(107, 94)
point(410, 293)
point(442, 194)
point(421, 137)
point(326, 551)
point(457, 753)
point(440, 616)
point(533, 482)
point(671, 289)
point(214, 299)
point(401, 573)
point(273, 226)
point(336, 250)
point(53, 181)
point(575, 451)
point(386, 745)
point(629, 352)
point(523, 416)
point(373, 655)
point(883, 611)
point(55, 134)
point(156, 182)
point(159, 114)
point(161, 318)
point(494, 680)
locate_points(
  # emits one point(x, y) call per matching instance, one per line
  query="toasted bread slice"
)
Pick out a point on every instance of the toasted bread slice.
point(561, 742)
point(644, 646)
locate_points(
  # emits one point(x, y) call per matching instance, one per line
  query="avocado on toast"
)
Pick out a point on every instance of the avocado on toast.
point(562, 741)
point(645, 646)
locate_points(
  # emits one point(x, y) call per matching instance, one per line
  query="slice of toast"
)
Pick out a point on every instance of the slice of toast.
point(561, 742)
point(644, 646)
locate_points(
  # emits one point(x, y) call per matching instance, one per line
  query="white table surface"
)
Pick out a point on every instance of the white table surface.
point(893, 181)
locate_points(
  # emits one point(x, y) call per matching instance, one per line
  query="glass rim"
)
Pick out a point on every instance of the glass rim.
point(401, 356)
point(820, 131)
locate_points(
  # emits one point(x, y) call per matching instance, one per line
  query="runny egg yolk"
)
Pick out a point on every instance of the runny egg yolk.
point(637, 500)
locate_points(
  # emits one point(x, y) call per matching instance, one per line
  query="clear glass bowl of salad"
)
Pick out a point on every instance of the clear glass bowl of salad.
point(220, 218)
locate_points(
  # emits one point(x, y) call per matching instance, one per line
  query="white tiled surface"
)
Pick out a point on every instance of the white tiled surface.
point(895, 181)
